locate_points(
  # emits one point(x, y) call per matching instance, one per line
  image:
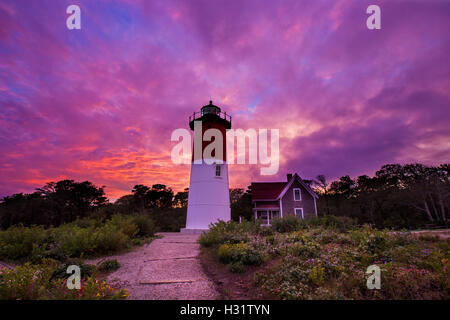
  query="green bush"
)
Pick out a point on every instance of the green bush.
point(84, 242)
point(76, 241)
point(372, 241)
point(339, 223)
point(109, 239)
point(237, 267)
point(18, 242)
point(86, 223)
point(429, 237)
point(291, 223)
point(36, 282)
point(227, 232)
point(54, 252)
point(80, 238)
point(288, 223)
point(240, 252)
point(108, 265)
point(401, 239)
point(374, 244)
point(86, 270)
point(26, 282)
point(125, 224)
point(266, 231)
point(146, 226)
point(305, 250)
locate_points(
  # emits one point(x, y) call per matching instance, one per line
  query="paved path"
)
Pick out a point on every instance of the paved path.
point(165, 269)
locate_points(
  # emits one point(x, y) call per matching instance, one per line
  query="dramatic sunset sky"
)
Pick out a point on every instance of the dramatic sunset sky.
point(100, 103)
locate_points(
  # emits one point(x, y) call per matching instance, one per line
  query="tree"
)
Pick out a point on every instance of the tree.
point(241, 204)
point(236, 194)
point(181, 198)
point(52, 204)
point(396, 196)
point(322, 188)
point(321, 183)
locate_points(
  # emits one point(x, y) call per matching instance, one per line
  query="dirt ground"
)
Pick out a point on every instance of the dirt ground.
point(233, 286)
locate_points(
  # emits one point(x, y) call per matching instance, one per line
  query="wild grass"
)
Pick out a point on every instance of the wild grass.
point(328, 259)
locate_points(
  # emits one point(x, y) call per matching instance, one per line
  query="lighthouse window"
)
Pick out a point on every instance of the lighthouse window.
point(218, 170)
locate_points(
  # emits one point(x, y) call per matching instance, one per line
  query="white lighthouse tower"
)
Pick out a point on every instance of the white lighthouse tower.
point(208, 199)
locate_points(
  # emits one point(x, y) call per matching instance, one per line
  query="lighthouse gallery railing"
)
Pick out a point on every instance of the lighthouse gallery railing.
point(222, 115)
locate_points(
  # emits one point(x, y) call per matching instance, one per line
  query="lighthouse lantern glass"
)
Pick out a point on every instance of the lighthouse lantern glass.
point(208, 110)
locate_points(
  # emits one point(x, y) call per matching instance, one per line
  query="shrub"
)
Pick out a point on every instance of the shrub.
point(291, 223)
point(86, 270)
point(54, 252)
point(80, 238)
point(237, 267)
point(227, 232)
point(33, 282)
point(109, 239)
point(224, 253)
point(374, 242)
point(83, 242)
point(240, 252)
point(316, 275)
point(146, 226)
point(76, 241)
point(91, 289)
point(86, 223)
point(18, 242)
point(266, 231)
point(26, 282)
point(429, 237)
point(108, 265)
point(339, 223)
point(325, 236)
point(401, 239)
point(304, 250)
point(288, 223)
point(124, 224)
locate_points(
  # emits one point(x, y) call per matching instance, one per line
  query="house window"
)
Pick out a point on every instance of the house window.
point(299, 213)
point(218, 170)
point(297, 194)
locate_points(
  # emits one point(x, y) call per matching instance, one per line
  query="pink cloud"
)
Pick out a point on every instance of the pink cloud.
point(100, 103)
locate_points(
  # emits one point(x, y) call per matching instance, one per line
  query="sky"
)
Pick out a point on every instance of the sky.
point(101, 103)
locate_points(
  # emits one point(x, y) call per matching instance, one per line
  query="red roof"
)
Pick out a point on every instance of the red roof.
point(267, 190)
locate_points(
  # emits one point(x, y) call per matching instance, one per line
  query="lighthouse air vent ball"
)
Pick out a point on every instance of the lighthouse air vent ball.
point(208, 199)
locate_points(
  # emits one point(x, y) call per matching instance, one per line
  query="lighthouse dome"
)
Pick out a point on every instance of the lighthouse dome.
point(210, 109)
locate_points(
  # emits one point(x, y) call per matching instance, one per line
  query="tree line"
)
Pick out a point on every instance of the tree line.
point(409, 196)
point(64, 201)
point(396, 196)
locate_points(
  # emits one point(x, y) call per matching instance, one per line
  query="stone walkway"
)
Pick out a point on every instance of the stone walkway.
point(165, 269)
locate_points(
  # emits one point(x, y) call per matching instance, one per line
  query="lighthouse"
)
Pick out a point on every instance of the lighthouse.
point(208, 199)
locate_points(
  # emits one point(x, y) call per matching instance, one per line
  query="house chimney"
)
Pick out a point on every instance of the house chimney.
point(289, 177)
